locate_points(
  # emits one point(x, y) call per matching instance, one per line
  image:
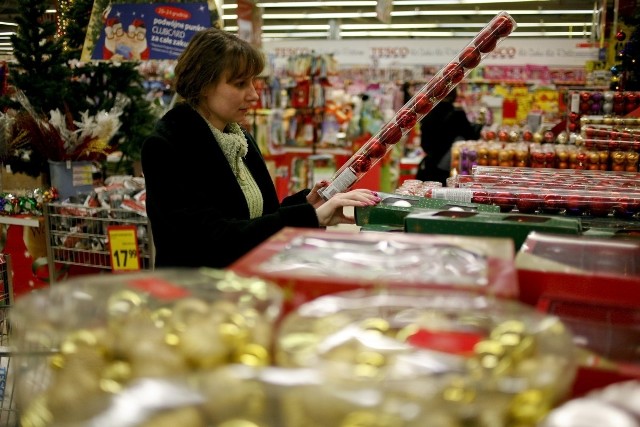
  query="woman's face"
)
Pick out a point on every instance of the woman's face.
point(228, 101)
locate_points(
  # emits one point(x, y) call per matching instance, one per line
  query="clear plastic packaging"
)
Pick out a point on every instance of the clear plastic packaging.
point(615, 405)
point(460, 356)
point(86, 344)
point(309, 263)
point(531, 190)
point(420, 104)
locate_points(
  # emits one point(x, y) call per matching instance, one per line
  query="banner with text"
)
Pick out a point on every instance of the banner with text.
point(149, 31)
point(405, 52)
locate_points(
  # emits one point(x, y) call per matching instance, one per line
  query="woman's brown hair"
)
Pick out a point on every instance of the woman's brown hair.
point(210, 56)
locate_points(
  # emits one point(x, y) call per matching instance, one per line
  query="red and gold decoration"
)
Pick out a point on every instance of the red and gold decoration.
point(422, 102)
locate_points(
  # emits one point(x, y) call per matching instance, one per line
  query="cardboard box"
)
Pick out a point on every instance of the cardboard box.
point(309, 263)
point(592, 284)
point(485, 224)
point(393, 208)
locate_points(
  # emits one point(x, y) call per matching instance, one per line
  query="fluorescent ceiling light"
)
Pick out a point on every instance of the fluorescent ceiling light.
point(454, 2)
point(370, 3)
point(375, 34)
point(449, 25)
point(7, 34)
point(339, 15)
point(13, 24)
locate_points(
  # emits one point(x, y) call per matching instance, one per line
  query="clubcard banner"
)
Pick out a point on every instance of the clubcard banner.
point(403, 52)
point(149, 31)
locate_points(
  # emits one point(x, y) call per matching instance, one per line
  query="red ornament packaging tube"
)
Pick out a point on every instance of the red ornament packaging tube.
point(420, 104)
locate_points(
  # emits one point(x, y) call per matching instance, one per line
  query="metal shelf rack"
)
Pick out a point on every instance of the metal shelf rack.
point(77, 235)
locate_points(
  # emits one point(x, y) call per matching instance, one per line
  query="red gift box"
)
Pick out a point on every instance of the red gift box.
point(308, 263)
point(592, 284)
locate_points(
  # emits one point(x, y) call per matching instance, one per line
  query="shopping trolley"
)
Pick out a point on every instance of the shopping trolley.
point(78, 235)
point(8, 413)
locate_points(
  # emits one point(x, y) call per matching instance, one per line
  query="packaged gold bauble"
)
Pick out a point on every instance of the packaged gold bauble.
point(100, 337)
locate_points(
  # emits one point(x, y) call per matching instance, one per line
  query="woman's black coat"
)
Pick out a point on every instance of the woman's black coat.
point(198, 212)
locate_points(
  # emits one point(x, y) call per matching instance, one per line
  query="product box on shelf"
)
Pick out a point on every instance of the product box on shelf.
point(592, 284)
point(309, 263)
point(513, 226)
point(393, 208)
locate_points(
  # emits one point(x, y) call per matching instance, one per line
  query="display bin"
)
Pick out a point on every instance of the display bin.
point(308, 263)
point(512, 226)
point(78, 236)
point(592, 284)
point(393, 208)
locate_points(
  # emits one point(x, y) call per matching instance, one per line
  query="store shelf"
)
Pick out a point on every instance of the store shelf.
point(78, 235)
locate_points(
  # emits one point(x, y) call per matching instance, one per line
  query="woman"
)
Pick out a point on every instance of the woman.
point(210, 198)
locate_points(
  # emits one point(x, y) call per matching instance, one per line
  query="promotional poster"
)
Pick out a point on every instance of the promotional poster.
point(149, 31)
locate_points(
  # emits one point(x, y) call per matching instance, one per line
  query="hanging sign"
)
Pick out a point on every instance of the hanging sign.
point(383, 10)
point(146, 31)
point(123, 248)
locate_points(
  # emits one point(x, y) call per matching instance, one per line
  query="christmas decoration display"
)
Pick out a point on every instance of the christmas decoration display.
point(572, 192)
point(59, 137)
point(421, 104)
point(626, 70)
point(48, 73)
point(448, 351)
point(28, 202)
point(120, 333)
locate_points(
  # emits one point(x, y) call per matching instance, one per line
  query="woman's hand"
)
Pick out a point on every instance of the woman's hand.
point(314, 198)
point(331, 212)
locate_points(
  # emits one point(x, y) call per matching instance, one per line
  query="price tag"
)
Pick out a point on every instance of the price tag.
point(123, 246)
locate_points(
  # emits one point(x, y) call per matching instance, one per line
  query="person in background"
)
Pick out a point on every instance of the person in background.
point(439, 129)
point(210, 198)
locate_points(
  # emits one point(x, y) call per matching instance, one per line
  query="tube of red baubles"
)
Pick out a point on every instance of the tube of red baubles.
point(420, 104)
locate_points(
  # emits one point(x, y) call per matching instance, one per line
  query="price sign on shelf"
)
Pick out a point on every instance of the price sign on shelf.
point(123, 247)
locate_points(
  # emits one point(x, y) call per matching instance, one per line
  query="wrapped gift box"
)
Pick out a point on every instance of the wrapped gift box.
point(308, 263)
point(393, 208)
point(513, 226)
point(593, 284)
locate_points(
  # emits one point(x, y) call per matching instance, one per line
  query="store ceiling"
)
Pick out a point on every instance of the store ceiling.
point(409, 18)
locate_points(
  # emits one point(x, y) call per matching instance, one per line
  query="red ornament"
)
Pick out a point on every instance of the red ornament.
point(406, 119)
point(376, 149)
point(552, 203)
point(528, 202)
point(618, 98)
point(626, 206)
point(585, 96)
point(504, 199)
point(620, 35)
point(549, 137)
point(502, 26)
point(423, 102)
point(481, 197)
point(361, 164)
point(600, 206)
point(576, 204)
point(527, 135)
point(453, 72)
point(486, 41)
point(390, 134)
point(470, 57)
point(585, 107)
point(440, 88)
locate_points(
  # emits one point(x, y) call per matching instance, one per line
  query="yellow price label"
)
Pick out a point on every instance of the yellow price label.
point(123, 246)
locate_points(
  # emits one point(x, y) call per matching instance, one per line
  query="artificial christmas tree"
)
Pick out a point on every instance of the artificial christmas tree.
point(626, 70)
